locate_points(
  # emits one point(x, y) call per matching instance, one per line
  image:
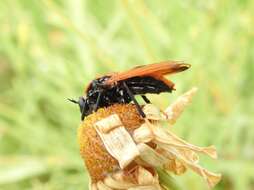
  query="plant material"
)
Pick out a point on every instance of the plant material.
point(117, 140)
point(122, 151)
point(97, 159)
point(176, 109)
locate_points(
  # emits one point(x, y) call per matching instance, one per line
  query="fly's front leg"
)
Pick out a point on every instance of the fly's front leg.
point(97, 102)
point(83, 113)
point(140, 111)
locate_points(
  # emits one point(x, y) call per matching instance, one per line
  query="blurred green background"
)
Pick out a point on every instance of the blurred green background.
point(50, 50)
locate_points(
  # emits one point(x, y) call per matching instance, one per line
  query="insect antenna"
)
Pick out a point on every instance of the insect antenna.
point(73, 101)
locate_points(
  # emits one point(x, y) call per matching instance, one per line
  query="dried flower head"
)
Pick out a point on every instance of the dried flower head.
point(97, 159)
point(121, 150)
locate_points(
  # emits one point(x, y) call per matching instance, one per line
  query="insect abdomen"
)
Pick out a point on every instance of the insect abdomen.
point(144, 85)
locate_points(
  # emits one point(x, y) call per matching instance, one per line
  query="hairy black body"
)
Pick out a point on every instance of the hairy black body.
point(100, 95)
point(122, 87)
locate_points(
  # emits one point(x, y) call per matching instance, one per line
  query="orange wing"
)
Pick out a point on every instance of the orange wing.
point(156, 70)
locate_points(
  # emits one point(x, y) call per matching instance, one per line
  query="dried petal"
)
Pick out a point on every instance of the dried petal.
point(108, 124)
point(109, 181)
point(102, 186)
point(211, 178)
point(166, 137)
point(117, 141)
point(143, 134)
point(145, 180)
point(145, 177)
point(93, 186)
point(151, 187)
point(150, 156)
point(175, 166)
point(153, 113)
point(175, 109)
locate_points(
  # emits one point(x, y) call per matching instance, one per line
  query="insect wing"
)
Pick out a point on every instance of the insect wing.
point(156, 70)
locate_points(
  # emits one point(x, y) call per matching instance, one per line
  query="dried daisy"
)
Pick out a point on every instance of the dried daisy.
point(122, 150)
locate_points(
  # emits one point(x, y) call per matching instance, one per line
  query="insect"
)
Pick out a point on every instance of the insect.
point(122, 87)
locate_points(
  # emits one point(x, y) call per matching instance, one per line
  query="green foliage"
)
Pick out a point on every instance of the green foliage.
point(49, 50)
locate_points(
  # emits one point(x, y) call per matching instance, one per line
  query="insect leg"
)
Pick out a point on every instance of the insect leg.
point(97, 101)
point(140, 111)
point(146, 99)
point(83, 110)
point(83, 114)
